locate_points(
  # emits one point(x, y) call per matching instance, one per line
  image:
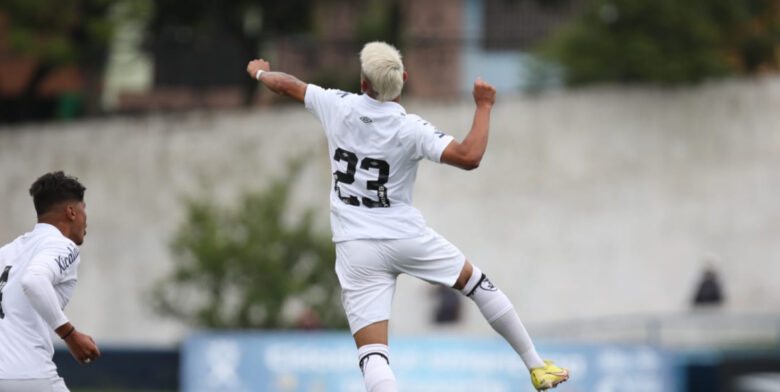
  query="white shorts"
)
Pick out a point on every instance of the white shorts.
point(367, 270)
point(34, 385)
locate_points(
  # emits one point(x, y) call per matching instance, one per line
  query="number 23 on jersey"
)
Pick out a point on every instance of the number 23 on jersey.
point(348, 177)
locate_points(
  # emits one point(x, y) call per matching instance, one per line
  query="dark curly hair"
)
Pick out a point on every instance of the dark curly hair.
point(53, 188)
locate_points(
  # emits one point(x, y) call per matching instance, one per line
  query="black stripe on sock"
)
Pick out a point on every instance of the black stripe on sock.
point(483, 277)
point(363, 359)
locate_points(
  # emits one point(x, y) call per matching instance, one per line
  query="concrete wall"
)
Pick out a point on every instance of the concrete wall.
point(588, 203)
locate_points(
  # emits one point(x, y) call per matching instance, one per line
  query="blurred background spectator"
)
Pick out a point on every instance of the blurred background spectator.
point(708, 290)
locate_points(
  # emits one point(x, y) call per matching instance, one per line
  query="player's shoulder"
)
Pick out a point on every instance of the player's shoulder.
point(329, 93)
point(416, 121)
point(57, 242)
point(58, 253)
point(418, 126)
point(414, 118)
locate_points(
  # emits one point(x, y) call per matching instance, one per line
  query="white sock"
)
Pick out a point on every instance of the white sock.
point(499, 312)
point(375, 365)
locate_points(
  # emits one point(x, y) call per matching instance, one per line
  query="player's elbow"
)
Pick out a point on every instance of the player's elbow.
point(462, 156)
point(471, 162)
point(286, 87)
point(470, 166)
point(29, 282)
point(32, 280)
point(289, 87)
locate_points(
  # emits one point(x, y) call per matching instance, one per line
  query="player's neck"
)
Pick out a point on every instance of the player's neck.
point(373, 96)
point(63, 227)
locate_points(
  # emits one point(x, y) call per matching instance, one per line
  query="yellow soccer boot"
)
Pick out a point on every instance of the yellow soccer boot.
point(548, 376)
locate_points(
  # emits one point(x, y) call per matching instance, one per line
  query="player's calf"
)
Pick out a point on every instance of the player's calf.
point(499, 312)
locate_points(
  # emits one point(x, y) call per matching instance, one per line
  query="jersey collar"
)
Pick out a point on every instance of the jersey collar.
point(387, 104)
point(47, 228)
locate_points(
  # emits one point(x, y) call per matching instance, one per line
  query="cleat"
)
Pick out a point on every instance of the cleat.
point(549, 376)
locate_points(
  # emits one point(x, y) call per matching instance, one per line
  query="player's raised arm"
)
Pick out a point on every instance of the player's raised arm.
point(278, 82)
point(468, 154)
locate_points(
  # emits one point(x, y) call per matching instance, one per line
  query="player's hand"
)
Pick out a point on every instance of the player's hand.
point(256, 65)
point(484, 94)
point(82, 347)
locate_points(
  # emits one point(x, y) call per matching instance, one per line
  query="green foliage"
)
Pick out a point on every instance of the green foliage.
point(238, 268)
point(379, 21)
point(667, 41)
point(58, 32)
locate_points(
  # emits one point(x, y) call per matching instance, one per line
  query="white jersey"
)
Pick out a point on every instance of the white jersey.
point(43, 255)
point(374, 148)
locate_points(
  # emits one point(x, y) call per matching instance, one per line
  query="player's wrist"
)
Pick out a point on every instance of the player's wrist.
point(67, 334)
point(258, 73)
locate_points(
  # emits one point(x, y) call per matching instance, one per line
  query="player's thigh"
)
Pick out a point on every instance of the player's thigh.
point(367, 282)
point(430, 257)
point(36, 385)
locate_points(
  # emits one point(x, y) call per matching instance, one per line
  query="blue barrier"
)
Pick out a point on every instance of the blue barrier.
point(122, 369)
point(322, 362)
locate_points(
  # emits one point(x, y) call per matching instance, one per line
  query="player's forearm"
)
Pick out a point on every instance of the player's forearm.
point(284, 84)
point(475, 143)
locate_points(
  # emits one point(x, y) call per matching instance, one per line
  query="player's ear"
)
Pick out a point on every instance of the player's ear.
point(70, 211)
point(406, 76)
point(364, 87)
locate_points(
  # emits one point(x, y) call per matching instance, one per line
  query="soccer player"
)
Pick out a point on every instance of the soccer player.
point(37, 279)
point(375, 148)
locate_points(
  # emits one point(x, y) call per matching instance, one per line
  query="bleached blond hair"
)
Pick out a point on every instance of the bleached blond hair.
point(380, 64)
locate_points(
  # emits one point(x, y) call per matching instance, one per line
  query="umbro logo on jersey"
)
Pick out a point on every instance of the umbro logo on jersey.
point(366, 120)
point(440, 134)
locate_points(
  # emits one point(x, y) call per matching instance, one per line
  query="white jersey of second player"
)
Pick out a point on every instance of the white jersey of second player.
point(375, 148)
point(42, 255)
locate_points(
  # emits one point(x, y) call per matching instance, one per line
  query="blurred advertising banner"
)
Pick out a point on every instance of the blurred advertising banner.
point(327, 362)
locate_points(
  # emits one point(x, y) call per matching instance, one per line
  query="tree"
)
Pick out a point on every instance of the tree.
point(240, 268)
point(55, 34)
point(667, 41)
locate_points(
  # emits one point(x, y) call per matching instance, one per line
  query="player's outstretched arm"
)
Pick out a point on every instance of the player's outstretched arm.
point(278, 82)
point(468, 154)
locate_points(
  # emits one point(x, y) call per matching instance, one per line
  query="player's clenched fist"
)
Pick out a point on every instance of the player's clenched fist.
point(257, 65)
point(82, 347)
point(484, 93)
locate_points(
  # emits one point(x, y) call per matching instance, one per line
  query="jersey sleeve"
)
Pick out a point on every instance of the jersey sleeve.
point(324, 103)
point(40, 292)
point(53, 263)
point(57, 260)
point(429, 141)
